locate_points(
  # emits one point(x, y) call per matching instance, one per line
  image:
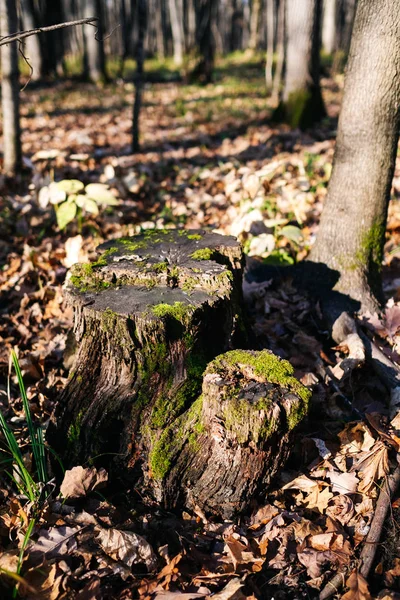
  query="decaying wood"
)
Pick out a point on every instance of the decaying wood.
point(227, 447)
point(150, 314)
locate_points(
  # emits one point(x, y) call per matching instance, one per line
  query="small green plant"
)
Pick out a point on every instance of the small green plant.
point(71, 198)
point(30, 483)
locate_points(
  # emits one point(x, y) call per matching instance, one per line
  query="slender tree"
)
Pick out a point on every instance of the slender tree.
point(329, 26)
point(94, 48)
point(270, 43)
point(176, 17)
point(352, 231)
point(10, 89)
point(142, 24)
point(254, 24)
point(206, 15)
point(301, 102)
point(33, 48)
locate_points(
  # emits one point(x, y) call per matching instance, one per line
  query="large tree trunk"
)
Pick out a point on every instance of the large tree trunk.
point(176, 17)
point(150, 315)
point(302, 103)
point(10, 90)
point(352, 231)
point(33, 49)
point(94, 47)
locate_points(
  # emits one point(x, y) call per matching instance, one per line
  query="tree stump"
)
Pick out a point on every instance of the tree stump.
point(149, 315)
point(226, 448)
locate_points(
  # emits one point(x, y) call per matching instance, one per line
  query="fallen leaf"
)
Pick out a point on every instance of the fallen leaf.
point(127, 547)
point(80, 481)
point(358, 588)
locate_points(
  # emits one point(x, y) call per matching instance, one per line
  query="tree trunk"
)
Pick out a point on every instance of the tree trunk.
point(53, 41)
point(94, 47)
point(280, 51)
point(254, 24)
point(176, 17)
point(10, 90)
point(352, 230)
point(142, 21)
point(33, 49)
point(159, 31)
point(329, 26)
point(150, 315)
point(302, 103)
point(270, 44)
point(206, 11)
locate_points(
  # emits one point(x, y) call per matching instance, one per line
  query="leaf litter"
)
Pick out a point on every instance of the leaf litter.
point(240, 177)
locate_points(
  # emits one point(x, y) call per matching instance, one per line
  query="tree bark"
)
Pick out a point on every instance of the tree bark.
point(302, 103)
point(33, 49)
point(206, 12)
point(10, 90)
point(142, 22)
point(176, 17)
point(352, 230)
point(53, 42)
point(95, 65)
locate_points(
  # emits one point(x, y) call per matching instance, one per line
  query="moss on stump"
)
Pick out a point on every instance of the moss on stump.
point(226, 448)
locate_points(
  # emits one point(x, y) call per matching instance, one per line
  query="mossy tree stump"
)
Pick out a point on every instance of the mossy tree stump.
point(152, 315)
point(226, 448)
point(149, 315)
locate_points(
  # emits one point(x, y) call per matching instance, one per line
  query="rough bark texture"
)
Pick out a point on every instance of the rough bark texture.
point(149, 316)
point(234, 438)
point(10, 90)
point(94, 48)
point(352, 229)
point(302, 103)
point(206, 13)
point(270, 44)
point(254, 24)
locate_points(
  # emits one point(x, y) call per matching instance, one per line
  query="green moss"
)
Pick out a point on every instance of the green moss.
point(203, 254)
point(129, 245)
point(174, 437)
point(194, 236)
point(74, 430)
point(160, 267)
point(177, 311)
point(272, 369)
point(371, 246)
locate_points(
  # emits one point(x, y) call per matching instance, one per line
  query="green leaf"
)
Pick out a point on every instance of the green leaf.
point(292, 233)
point(65, 213)
point(56, 195)
point(279, 258)
point(100, 193)
point(70, 186)
point(90, 205)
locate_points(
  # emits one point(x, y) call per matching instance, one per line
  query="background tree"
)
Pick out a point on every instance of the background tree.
point(33, 48)
point(142, 23)
point(95, 66)
point(301, 99)
point(10, 89)
point(352, 230)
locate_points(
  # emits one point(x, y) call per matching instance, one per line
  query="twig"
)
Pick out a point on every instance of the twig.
point(382, 506)
point(21, 35)
point(332, 586)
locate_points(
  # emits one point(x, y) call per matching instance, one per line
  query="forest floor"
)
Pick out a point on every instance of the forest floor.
point(210, 158)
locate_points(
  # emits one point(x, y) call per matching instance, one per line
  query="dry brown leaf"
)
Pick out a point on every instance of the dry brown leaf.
point(317, 499)
point(230, 589)
point(358, 588)
point(341, 509)
point(54, 542)
point(80, 481)
point(343, 483)
point(127, 547)
point(372, 465)
point(356, 437)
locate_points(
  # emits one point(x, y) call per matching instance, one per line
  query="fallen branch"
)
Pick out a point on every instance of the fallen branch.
point(382, 506)
point(21, 35)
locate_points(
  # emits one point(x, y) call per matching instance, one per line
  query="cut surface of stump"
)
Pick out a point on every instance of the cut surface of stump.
point(149, 315)
point(226, 448)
